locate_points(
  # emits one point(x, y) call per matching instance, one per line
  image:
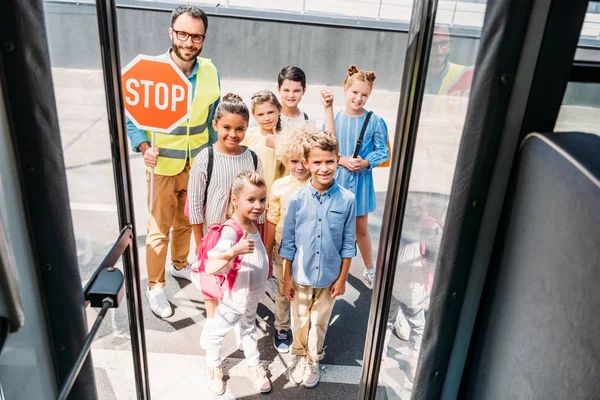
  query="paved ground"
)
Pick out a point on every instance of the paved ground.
point(175, 358)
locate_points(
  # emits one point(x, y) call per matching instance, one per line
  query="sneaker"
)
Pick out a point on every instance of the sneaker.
point(183, 273)
point(214, 380)
point(369, 275)
point(296, 370)
point(311, 374)
point(259, 378)
point(402, 327)
point(282, 340)
point(158, 302)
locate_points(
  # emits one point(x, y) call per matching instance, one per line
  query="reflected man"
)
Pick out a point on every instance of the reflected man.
point(447, 86)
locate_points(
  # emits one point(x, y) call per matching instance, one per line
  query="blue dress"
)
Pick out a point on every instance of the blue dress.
point(374, 149)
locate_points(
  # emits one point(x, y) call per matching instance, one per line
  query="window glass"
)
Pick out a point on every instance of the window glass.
point(447, 90)
point(82, 115)
point(589, 41)
point(580, 111)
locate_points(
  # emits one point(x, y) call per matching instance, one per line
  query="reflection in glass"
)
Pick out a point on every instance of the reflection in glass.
point(443, 112)
point(580, 111)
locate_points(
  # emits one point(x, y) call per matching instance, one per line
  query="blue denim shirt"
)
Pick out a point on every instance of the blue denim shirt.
point(319, 230)
point(138, 136)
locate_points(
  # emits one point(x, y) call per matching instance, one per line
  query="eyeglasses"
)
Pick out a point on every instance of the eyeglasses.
point(442, 44)
point(183, 36)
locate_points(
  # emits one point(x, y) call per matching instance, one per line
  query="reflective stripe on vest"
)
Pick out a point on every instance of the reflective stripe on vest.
point(188, 139)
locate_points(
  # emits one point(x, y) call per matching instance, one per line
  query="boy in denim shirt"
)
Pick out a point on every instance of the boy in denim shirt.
point(317, 247)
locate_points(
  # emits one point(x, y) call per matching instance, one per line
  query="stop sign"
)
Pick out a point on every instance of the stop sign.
point(157, 94)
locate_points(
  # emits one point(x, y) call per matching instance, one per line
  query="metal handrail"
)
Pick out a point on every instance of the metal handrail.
point(122, 244)
point(85, 351)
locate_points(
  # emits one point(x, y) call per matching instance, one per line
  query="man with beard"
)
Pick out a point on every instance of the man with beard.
point(174, 153)
point(442, 75)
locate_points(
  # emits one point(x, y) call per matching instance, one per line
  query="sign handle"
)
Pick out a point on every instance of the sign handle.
point(152, 176)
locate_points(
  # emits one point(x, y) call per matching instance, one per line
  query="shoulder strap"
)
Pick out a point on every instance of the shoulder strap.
point(232, 223)
point(209, 168)
point(362, 134)
point(254, 159)
point(305, 116)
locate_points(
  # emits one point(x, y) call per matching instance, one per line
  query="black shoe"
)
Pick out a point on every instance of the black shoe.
point(282, 341)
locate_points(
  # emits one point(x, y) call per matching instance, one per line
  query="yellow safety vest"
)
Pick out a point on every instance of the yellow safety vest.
point(454, 70)
point(185, 141)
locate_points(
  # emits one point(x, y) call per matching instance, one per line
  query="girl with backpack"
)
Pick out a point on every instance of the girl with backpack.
point(363, 145)
point(239, 249)
point(214, 170)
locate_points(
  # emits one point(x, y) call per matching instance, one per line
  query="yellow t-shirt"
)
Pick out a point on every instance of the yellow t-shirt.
point(255, 141)
point(281, 192)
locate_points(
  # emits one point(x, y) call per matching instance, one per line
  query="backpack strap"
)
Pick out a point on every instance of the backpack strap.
point(362, 134)
point(232, 223)
point(209, 168)
point(255, 161)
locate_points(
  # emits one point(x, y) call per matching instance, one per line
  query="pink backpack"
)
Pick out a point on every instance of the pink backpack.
point(214, 286)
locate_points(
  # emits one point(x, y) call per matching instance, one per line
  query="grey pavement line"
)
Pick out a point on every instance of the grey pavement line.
point(80, 135)
point(101, 162)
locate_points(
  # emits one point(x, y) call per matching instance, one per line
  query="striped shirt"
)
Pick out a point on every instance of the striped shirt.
point(225, 169)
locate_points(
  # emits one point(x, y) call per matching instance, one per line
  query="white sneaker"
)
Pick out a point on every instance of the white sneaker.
point(183, 273)
point(259, 379)
point(369, 275)
point(297, 369)
point(158, 302)
point(311, 374)
point(214, 380)
point(402, 327)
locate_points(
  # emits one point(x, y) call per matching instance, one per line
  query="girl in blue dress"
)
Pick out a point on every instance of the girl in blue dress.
point(356, 173)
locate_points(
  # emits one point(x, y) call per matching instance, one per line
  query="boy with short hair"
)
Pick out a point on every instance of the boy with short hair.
point(291, 86)
point(317, 247)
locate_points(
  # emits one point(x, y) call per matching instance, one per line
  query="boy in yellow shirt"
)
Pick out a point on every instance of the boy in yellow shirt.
point(290, 153)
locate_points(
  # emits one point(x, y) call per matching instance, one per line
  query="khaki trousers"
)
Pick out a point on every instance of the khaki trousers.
point(311, 306)
point(282, 305)
point(170, 194)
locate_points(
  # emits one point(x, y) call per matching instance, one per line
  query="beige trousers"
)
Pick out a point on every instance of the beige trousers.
point(170, 193)
point(282, 305)
point(310, 307)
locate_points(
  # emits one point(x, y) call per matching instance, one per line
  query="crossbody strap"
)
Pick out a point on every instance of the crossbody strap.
point(362, 134)
point(209, 168)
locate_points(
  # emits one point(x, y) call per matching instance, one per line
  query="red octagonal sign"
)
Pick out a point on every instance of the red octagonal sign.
point(157, 94)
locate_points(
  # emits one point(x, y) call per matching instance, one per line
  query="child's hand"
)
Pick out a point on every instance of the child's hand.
point(361, 163)
point(244, 246)
point(345, 162)
point(353, 164)
point(271, 138)
point(326, 98)
point(288, 289)
point(338, 288)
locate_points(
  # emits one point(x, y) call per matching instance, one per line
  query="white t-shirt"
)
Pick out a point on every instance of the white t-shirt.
point(297, 122)
point(252, 276)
